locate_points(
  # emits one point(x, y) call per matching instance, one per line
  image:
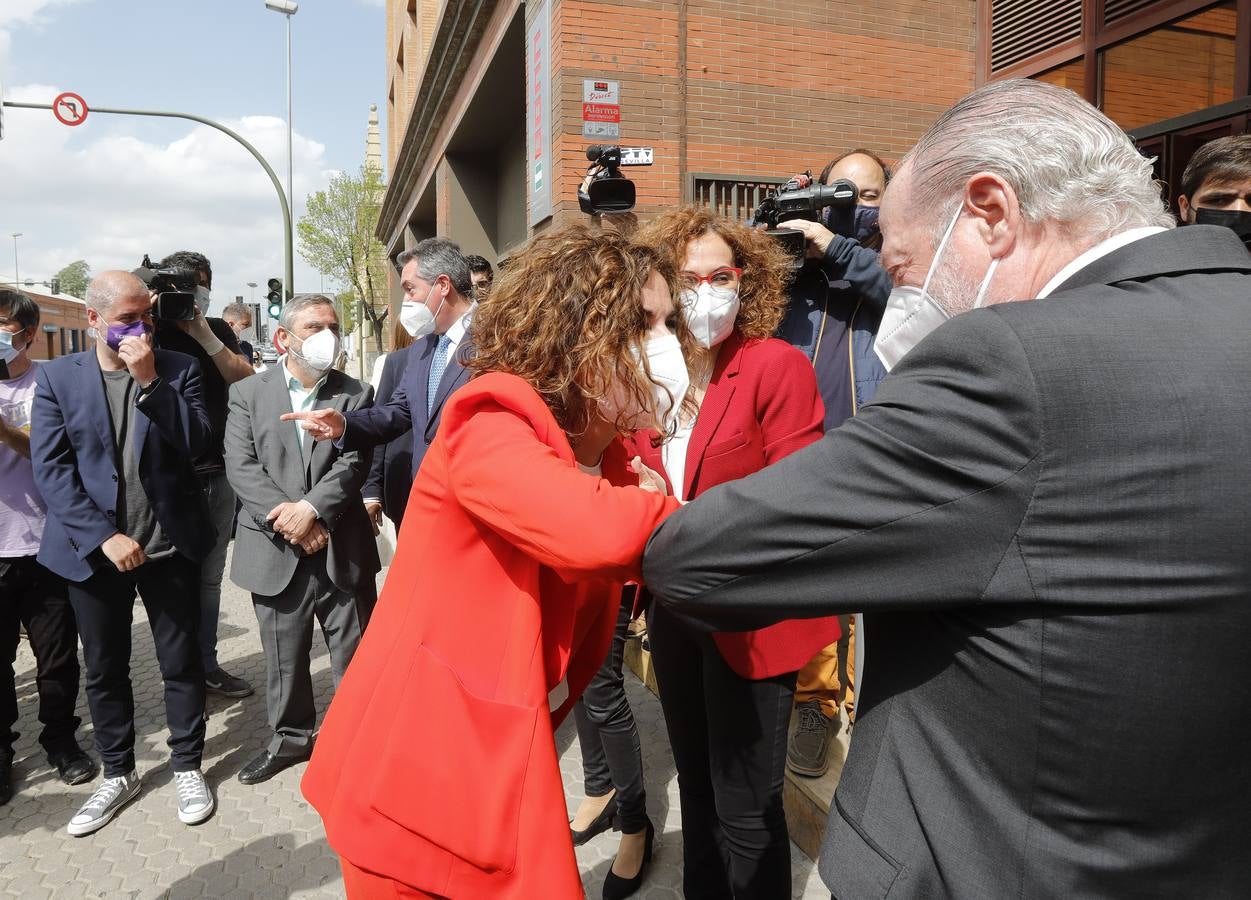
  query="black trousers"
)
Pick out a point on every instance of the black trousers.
point(611, 754)
point(104, 606)
point(30, 595)
point(728, 736)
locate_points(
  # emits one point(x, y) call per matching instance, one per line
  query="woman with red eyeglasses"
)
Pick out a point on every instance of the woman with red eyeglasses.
point(727, 697)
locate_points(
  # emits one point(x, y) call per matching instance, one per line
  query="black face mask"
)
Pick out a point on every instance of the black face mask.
point(1236, 220)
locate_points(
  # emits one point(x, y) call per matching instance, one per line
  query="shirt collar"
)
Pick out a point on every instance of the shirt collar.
point(1098, 251)
point(456, 333)
point(294, 384)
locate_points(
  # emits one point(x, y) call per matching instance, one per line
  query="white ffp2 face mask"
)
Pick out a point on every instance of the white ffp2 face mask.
point(416, 318)
point(710, 313)
point(670, 383)
point(318, 351)
point(912, 312)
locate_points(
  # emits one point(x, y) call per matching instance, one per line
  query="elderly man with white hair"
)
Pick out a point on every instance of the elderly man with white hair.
point(1044, 516)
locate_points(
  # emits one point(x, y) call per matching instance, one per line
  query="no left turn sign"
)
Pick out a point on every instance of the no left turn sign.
point(69, 109)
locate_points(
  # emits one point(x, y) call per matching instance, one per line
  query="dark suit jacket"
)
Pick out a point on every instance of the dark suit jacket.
point(760, 406)
point(407, 407)
point(265, 467)
point(71, 448)
point(391, 472)
point(1044, 516)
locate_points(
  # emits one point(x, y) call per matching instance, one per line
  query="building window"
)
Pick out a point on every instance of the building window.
point(1071, 75)
point(1172, 70)
point(1023, 29)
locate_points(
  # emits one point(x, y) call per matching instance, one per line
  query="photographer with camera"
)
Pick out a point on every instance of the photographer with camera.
point(182, 325)
point(836, 303)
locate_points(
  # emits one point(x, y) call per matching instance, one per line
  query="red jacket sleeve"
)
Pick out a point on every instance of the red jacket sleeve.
point(506, 476)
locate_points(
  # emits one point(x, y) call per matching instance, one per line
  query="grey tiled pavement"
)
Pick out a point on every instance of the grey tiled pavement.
point(264, 841)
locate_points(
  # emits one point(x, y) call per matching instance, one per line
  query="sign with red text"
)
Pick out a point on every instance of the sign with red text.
point(601, 109)
point(69, 109)
point(539, 114)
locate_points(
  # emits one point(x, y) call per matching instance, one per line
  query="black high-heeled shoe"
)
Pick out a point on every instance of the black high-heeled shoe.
point(618, 888)
point(601, 823)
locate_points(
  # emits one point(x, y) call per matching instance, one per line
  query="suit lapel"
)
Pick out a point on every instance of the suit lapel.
point(716, 401)
point(91, 381)
point(454, 375)
point(280, 398)
point(419, 365)
point(329, 395)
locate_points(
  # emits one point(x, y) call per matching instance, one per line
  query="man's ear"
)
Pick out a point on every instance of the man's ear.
point(994, 206)
point(1184, 208)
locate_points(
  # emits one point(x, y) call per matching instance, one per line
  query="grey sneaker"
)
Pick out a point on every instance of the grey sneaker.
point(109, 797)
point(809, 750)
point(219, 681)
point(195, 800)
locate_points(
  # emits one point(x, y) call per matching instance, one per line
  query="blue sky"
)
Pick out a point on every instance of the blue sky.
point(120, 186)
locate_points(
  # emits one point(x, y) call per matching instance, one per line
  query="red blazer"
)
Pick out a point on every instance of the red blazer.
point(436, 765)
point(761, 405)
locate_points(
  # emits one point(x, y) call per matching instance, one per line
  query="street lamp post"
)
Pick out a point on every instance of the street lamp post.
point(17, 275)
point(288, 8)
point(252, 285)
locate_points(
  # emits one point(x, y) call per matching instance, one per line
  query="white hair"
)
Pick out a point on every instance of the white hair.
point(1067, 162)
point(298, 304)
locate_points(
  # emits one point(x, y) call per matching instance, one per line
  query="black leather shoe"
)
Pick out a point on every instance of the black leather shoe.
point(74, 766)
point(6, 780)
point(266, 766)
point(616, 887)
point(601, 823)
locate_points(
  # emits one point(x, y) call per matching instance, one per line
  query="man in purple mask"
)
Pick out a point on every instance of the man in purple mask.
point(114, 431)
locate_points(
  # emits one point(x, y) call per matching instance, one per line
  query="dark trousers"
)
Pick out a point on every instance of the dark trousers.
point(30, 595)
point(104, 605)
point(729, 745)
point(611, 754)
point(286, 627)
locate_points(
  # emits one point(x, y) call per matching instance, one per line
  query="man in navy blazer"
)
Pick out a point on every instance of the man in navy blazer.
point(437, 310)
point(113, 434)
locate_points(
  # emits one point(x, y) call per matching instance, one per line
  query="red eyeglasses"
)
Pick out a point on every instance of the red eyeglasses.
point(725, 277)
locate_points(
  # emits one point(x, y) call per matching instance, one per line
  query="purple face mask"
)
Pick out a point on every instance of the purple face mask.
point(113, 337)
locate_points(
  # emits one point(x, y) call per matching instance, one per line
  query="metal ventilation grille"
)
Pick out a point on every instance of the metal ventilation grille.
point(1020, 29)
point(1115, 10)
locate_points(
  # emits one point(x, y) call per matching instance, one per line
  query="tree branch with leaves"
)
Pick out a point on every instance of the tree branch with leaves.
point(337, 239)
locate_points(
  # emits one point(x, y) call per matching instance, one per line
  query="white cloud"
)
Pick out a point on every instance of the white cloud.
point(18, 13)
point(98, 193)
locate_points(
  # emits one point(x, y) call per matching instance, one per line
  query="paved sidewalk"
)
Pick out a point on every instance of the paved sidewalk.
point(264, 841)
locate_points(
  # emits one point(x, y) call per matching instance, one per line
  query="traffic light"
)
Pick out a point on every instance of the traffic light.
point(274, 297)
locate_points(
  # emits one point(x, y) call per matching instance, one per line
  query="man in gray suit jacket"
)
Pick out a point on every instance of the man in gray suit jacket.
point(304, 546)
point(1044, 515)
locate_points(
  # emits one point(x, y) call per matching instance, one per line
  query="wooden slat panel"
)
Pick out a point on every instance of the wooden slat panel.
point(1020, 29)
point(1115, 10)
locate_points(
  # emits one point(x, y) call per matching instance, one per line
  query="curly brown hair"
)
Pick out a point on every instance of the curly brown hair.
point(567, 316)
point(766, 267)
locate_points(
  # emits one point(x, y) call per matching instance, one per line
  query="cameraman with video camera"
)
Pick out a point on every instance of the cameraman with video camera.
point(184, 327)
point(836, 304)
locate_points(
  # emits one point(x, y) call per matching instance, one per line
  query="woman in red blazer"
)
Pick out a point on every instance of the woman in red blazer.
point(727, 697)
point(435, 771)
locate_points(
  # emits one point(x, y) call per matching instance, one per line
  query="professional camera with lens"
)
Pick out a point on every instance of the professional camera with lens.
point(800, 198)
point(175, 290)
point(609, 190)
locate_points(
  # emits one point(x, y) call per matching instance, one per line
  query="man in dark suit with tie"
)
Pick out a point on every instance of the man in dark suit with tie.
point(113, 434)
point(436, 310)
point(304, 546)
point(1044, 516)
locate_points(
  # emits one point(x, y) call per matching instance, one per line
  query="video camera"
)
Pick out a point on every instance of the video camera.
point(175, 290)
point(609, 190)
point(800, 198)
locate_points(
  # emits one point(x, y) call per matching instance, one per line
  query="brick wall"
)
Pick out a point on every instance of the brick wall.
point(64, 317)
point(773, 86)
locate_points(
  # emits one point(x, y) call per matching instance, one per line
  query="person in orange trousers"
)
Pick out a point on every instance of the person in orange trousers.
point(436, 772)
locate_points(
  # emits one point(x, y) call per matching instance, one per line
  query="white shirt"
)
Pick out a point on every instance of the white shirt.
point(673, 455)
point(456, 333)
point(1098, 251)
